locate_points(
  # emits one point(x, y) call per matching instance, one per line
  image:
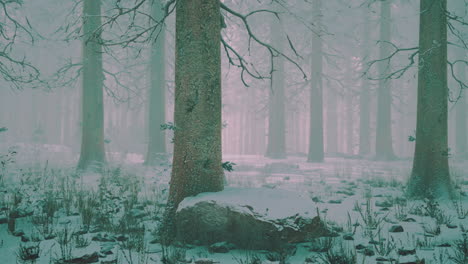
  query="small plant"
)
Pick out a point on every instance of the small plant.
point(282, 254)
point(228, 166)
point(338, 255)
point(168, 126)
point(385, 247)
point(249, 258)
point(462, 213)
point(425, 244)
point(28, 254)
point(369, 217)
point(460, 251)
point(81, 241)
point(43, 224)
point(322, 244)
point(172, 255)
point(64, 239)
point(432, 230)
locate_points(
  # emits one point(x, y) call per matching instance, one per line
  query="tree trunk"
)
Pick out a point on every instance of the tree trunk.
point(92, 140)
point(349, 123)
point(332, 122)
point(460, 123)
point(383, 144)
point(316, 94)
point(430, 176)
point(364, 97)
point(276, 148)
point(197, 137)
point(157, 106)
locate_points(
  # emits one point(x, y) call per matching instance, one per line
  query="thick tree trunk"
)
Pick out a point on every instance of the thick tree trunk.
point(383, 144)
point(92, 140)
point(316, 93)
point(364, 96)
point(276, 148)
point(197, 160)
point(430, 176)
point(157, 105)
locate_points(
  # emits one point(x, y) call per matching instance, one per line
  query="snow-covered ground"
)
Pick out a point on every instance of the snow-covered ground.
point(362, 201)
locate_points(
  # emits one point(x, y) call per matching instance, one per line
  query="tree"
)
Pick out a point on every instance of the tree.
point(92, 140)
point(276, 148)
point(364, 96)
point(430, 176)
point(157, 141)
point(316, 93)
point(15, 28)
point(460, 108)
point(197, 164)
point(383, 144)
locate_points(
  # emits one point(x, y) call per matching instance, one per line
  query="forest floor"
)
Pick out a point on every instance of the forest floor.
point(51, 214)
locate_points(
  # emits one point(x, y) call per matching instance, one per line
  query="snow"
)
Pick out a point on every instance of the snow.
point(271, 204)
point(284, 187)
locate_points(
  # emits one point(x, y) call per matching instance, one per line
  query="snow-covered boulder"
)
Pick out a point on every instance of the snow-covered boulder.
point(254, 218)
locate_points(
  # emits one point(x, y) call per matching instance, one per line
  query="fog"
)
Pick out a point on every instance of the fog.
point(326, 100)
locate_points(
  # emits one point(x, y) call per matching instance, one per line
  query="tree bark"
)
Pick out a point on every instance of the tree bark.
point(332, 122)
point(157, 105)
point(460, 114)
point(92, 141)
point(383, 144)
point(316, 93)
point(197, 137)
point(430, 176)
point(276, 148)
point(364, 96)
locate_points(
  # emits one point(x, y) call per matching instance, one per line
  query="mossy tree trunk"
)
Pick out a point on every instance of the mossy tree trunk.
point(430, 176)
point(197, 157)
point(157, 105)
point(92, 142)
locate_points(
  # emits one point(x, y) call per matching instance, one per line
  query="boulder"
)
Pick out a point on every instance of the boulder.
point(252, 218)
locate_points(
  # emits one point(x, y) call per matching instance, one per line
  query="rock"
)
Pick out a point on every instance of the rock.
point(256, 218)
point(406, 252)
point(336, 201)
point(18, 233)
point(3, 219)
point(396, 229)
point(360, 246)
point(88, 258)
point(368, 251)
point(25, 239)
point(205, 261)
point(383, 204)
point(50, 236)
point(106, 248)
point(103, 238)
point(64, 221)
point(137, 213)
point(221, 247)
point(345, 192)
point(444, 245)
